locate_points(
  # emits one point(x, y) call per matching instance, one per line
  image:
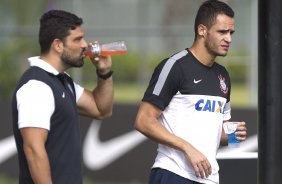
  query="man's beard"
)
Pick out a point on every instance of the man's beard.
point(72, 61)
point(212, 49)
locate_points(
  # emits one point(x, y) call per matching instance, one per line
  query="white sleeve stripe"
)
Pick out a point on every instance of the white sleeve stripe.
point(165, 71)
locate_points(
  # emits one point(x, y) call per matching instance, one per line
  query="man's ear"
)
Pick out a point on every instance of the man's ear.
point(202, 30)
point(58, 45)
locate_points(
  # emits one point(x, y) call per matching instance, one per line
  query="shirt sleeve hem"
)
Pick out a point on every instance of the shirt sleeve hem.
point(32, 125)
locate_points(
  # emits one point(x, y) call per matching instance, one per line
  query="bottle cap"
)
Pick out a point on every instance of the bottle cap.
point(96, 49)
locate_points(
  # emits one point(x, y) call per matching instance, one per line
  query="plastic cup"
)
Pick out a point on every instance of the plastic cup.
point(230, 129)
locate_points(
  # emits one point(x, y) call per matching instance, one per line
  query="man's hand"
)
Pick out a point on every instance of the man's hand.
point(199, 162)
point(102, 64)
point(241, 131)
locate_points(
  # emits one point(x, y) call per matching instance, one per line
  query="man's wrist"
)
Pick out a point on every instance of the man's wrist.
point(105, 75)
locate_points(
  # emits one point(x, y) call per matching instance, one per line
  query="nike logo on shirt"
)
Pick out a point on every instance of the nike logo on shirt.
point(197, 81)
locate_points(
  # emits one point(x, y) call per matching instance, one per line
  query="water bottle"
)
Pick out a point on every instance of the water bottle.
point(107, 49)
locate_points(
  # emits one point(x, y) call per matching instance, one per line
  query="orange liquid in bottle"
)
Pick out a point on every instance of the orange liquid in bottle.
point(112, 52)
point(89, 54)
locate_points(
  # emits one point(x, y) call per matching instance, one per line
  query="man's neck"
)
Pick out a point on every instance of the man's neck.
point(202, 55)
point(53, 61)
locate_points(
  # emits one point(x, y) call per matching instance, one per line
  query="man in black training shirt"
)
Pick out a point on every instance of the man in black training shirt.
point(187, 101)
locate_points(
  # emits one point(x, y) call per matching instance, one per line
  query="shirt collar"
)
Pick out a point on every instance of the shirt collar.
point(36, 61)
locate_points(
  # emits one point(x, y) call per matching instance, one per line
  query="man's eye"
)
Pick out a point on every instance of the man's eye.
point(223, 32)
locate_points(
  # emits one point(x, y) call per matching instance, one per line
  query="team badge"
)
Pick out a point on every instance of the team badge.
point(222, 83)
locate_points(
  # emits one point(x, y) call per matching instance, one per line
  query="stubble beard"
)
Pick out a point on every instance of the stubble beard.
point(71, 61)
point(212, 49)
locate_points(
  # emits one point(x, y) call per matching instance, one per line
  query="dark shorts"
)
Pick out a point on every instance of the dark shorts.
point(162, 176)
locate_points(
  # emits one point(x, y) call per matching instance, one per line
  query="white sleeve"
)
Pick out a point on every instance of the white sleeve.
point(35, 103)
point(78, 90)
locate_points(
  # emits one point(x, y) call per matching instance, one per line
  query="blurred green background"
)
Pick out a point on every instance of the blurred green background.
point(152, 29)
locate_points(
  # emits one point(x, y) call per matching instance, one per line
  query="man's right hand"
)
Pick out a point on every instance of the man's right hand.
point(198, 161)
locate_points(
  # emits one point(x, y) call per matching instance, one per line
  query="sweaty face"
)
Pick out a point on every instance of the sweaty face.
point(73, 48)
point(219, 36)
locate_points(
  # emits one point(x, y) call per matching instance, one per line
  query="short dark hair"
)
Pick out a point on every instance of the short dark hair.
point(56, 24)
point(208, 12)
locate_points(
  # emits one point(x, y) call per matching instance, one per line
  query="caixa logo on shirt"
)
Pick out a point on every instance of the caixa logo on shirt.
point(210, 105)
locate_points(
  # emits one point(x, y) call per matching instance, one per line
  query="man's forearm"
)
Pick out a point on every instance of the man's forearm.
point(39, 166)
point(104, 95)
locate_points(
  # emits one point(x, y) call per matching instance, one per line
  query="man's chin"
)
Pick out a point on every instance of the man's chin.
point(223, 54)
point(78, 64)
point(81, 62)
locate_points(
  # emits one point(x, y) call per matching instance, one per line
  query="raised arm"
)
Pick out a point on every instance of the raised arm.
point(98, 103)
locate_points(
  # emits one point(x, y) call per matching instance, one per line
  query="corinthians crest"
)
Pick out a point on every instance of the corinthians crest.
point(222, 83)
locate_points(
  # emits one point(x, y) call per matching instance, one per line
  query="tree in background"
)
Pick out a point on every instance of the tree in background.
point(17, 41)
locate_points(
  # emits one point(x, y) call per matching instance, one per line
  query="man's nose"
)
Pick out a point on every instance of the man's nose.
point(228, 38)
point(84, 44)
